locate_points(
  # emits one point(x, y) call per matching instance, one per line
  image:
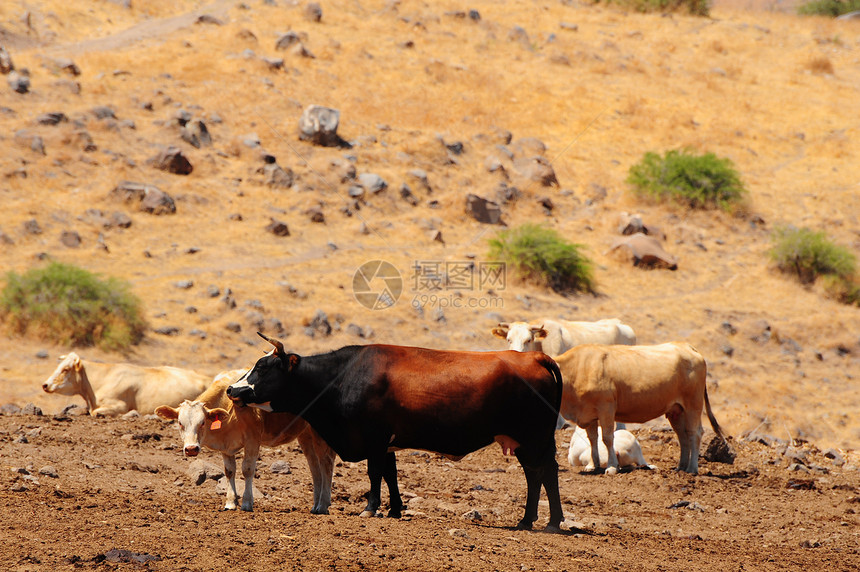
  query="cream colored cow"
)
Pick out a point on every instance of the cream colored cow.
point(116, 388)
point(214, 421)
point(554, 337)
point(634, 384)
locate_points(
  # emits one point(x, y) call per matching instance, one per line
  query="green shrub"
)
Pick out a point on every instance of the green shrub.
point(809, 254)
point(703, 181)
point(693, 7)
point(541, 255)
point(69, 305)
point(831, 8)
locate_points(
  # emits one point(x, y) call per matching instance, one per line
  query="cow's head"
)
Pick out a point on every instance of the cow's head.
point(66, 378)
point(520, 336)
point(264, 385)
point(193, 417)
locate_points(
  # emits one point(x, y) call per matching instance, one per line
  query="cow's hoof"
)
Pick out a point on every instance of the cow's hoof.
point(319, 511)
point(394, 513)
point(553, 528)
point(367, 513)
point(247, 508)
point(611, 471)
point(524, 525)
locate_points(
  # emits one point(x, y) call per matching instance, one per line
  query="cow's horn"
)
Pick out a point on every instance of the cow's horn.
point(278, 345)
point(504, 325)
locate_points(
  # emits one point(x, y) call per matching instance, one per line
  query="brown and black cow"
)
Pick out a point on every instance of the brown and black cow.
point(369, 401)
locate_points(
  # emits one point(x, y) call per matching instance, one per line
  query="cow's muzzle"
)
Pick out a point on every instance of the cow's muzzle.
point(240, 395)
point(192, 450)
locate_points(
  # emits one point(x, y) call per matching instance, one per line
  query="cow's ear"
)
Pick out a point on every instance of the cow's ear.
point(167, 412)
point(293, 361)
point(501, 331)
point(77, 364)
point(214, 414)
point(539, 333)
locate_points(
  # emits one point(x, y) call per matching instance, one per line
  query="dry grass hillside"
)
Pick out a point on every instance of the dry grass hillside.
point(774, 92)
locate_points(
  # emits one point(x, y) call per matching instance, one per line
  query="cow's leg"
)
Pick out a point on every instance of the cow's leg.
point(375, 468)
point(320, 459)
point(549, 478)
point(109, 408)
point(694, 434)
point(390, 473)
point(230, 473)
point(533, 483)
point(607, 427)
point(593, 439)
point(249, 467)
point(678, 419)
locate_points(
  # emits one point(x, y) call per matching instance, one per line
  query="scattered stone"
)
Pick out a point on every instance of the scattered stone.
point(213, 291)
point(199, 470)
point(196, 134)
point(319, 324)
point(31, 409)
point(290, 39)
point(319, 124)
point(537, 169)
point(9, 409)
point(18, 83)
point(103, 112)
point(276, 176)
point(173, 161)
point(49, 471)
point(32, 227)
point(728, 328)
point(406, 195)
point(208, 19)
point(167, 331)
point(483, 210)
point(52, 118)
point(315, 214)
point(644, 251)
point(795, 455)
point(184, 284)
point(281, 468)
point(42, 354)
point(835, 456)
point(152, 199)
point(234, 327)
point(6, 65)
point(718, 451)
point(372, 182)
point(472, 515)
point(278, 228)
point(313, 12)
point(70, 238)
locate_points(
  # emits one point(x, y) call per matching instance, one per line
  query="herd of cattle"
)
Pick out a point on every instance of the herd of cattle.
point(366, 402)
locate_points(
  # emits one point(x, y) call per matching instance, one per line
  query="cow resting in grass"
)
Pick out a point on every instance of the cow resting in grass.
point(213, 421)
point(634, 384)
point(554, 337)
point(116, 388)
point(369, 401)
point(627, 449)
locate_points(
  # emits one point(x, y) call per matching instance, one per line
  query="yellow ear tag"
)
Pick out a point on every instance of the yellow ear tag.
point(215, 424)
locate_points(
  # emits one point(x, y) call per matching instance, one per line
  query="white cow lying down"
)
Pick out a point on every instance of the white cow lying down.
point(626, 448)
point(116, 388)
point(554, 337)
point(214, 421)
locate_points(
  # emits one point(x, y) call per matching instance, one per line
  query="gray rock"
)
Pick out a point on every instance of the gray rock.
point(151, 199)
point(167, 331)
point(184, 284)
point(102, 111)
point(276, 176)
point(313, 12)
point(199, 470)
point(18, 83)
point(319, 124)
point(9, 409)
point(278, 228)
point(718, 451)
point(173, 161)
point(320, 323)
point(835, 456)
point(49, 471)
point(31, 409)
point(315, 214)
point(290, 39)
point(70, 238)
point(234, 327)
point(6, 65)
point(213, 291)
point(372, 182)
point(281, 468)
point(483, 210)
point(32, 227)
point(52, 118)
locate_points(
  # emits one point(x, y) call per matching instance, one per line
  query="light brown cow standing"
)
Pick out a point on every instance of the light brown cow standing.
point(116, 388)
point(634, 384)
point(214, 421)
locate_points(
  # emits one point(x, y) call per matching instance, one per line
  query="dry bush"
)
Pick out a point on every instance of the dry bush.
point(820, 65)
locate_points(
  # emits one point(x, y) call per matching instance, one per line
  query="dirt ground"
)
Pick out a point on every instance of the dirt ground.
point(124, 498)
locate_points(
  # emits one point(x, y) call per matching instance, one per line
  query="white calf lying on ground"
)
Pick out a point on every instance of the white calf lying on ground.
point(626, 447)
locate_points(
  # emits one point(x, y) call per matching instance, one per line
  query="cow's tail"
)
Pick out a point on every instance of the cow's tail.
point(711, 417)
point(553, 368)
